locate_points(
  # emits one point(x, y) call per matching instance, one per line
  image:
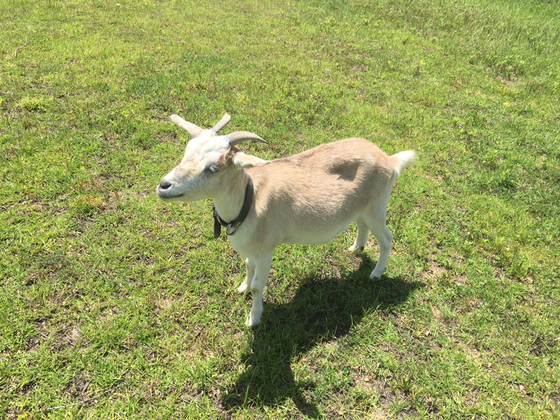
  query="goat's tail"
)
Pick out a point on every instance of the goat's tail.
point(402, 159)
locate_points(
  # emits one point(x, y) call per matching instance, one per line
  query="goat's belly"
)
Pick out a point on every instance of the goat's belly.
point(313, 236)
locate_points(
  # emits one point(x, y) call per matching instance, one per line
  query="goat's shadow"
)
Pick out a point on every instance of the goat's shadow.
point(321, 310)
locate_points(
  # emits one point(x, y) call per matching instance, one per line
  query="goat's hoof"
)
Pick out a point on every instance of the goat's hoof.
point(252, 322)
point(375, 275)
point(356, 249)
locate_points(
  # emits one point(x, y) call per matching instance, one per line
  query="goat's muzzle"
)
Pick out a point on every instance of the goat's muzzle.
point(164, 191)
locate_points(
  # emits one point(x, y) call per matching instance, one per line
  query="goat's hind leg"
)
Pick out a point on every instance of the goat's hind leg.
point(361, 238)
point(376, 220)
point(246, 285)
point(377, 223)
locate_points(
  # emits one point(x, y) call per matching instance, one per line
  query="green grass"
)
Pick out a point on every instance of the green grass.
point(116, 305)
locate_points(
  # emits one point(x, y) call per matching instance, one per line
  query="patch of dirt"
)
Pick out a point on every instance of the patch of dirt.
point(366, 382)
point(163, 304)
point(472, 351)
point(35, 342)
point(542, 346)
point(78, 386)
point(460, 280)
point(66, 337)
point(438, 316)
point(433, 271)
point(384, 394)
point(46, 266)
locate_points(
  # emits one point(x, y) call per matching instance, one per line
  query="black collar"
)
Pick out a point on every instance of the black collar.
point(232, 227)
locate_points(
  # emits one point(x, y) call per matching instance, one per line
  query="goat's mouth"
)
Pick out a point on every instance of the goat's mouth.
point(170, 197)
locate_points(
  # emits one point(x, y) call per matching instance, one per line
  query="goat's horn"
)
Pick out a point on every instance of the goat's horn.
point(239, 136)
point(222, 123)
point(192, 129)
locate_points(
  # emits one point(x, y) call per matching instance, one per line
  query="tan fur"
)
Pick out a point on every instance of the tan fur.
point(305, 198)
point(319, 190)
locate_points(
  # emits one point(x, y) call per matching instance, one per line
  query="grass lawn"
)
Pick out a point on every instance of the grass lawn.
point(114, 304)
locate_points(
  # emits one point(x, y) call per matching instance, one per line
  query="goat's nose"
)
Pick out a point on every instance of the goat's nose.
point(164, 184)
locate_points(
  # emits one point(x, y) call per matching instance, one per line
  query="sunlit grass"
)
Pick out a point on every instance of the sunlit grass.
point(114, 304)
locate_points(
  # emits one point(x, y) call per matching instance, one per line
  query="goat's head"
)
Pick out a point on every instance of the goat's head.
point(208, 158)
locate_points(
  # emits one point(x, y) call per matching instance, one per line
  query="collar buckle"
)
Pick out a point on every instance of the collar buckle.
point(231, 229)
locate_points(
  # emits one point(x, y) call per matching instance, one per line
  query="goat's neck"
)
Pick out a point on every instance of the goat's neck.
point(230, 197)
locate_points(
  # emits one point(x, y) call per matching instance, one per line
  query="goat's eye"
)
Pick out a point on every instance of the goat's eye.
point(213, 168)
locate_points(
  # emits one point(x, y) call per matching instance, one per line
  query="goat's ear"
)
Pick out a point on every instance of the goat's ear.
point(241, 160)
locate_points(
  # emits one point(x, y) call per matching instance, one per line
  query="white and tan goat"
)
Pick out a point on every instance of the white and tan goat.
point(306, 198)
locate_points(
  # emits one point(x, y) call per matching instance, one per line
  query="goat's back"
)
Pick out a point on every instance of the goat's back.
point(319, 191)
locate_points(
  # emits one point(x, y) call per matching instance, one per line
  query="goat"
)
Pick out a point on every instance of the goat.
point(307, 198)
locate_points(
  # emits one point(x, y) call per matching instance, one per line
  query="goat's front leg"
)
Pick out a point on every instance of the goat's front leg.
point(246, 285)
point(262, 269)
